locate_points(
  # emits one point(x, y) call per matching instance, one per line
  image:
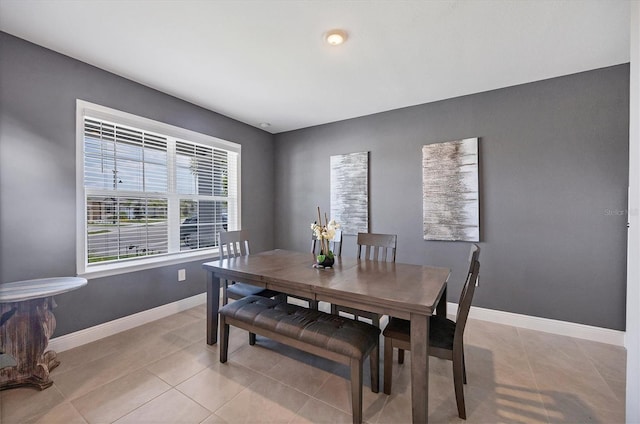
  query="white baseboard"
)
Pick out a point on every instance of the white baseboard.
point(91, 334)
point(563, 328)
point(88, 335)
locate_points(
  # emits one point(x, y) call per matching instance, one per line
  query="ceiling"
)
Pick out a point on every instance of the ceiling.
point(265, 61)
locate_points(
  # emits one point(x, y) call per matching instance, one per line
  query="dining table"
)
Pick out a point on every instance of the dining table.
point(408, 291)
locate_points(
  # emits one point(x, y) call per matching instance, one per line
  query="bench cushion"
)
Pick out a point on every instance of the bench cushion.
point(331, 332)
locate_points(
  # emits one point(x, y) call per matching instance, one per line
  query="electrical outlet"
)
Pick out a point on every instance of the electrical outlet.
point(182, 274)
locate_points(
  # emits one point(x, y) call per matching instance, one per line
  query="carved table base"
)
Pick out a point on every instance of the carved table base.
point(25, 336)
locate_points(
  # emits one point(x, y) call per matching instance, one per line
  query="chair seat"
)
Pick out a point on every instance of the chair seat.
point(244, 289)
point(441, 331)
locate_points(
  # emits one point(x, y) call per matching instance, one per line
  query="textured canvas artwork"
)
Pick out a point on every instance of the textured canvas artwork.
point(450, 190)
point(350, 192)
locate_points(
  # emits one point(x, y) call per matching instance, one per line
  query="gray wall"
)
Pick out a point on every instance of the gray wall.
point(554, 176)
point(38, 92)
point(554, 160)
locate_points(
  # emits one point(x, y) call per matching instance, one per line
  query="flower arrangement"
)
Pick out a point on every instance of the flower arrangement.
point(324, 233)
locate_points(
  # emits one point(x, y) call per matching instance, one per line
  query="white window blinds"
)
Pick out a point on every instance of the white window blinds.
point(126, 180)
point(203, 176)
point(148, 195)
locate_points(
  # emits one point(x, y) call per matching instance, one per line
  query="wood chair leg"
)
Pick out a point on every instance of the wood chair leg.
point(388, 365)
point(224, 339)
point(252, 338)
point(401, 356)
point(356, 390)
point(225, 295)
point(458, 383)
point(374, 367)
point(464, 369)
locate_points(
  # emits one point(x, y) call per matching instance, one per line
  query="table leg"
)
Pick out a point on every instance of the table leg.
point(420, 368)
point(24, 337)
point(213, 304)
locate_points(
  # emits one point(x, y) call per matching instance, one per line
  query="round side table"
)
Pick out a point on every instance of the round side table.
point(26, 324)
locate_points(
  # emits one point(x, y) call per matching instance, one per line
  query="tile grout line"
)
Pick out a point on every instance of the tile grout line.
point(140, 406)
point(141, 367)
point(295, 388)
point(604, 380)
point(537, 381)
point(533, 374)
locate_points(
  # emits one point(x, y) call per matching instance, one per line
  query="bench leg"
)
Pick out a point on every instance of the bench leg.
point(356, 390)
point(224, 339)
point(374, 365)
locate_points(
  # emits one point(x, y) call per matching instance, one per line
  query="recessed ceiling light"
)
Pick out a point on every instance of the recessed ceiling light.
point(264, 125)
point(335, 37)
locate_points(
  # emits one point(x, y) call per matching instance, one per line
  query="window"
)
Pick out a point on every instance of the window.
point(150, 193)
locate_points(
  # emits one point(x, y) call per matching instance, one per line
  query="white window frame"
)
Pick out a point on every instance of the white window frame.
point(96, 270)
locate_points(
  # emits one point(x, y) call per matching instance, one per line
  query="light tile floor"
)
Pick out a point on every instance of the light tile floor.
point(164, 372)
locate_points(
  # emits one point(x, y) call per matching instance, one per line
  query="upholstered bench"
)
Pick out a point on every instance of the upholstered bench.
point(329, 336)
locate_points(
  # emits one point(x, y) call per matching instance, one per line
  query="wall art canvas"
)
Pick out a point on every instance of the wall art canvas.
point(350, 191)
point(450, 190)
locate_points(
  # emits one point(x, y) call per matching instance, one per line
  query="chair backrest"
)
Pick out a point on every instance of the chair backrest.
point(234, 244)
point(466, 296)
point(335, 244)
point(377, 247)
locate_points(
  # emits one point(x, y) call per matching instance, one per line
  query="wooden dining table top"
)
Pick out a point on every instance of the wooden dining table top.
point(387, 285)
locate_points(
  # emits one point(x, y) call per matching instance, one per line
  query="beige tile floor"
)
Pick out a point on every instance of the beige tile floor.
point(164, 372)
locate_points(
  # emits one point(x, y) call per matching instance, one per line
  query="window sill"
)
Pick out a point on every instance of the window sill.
point(99, 271)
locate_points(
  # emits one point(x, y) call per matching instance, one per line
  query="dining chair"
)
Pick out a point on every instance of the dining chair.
point(371, 247)
point(232, 245)
point(445, 336)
